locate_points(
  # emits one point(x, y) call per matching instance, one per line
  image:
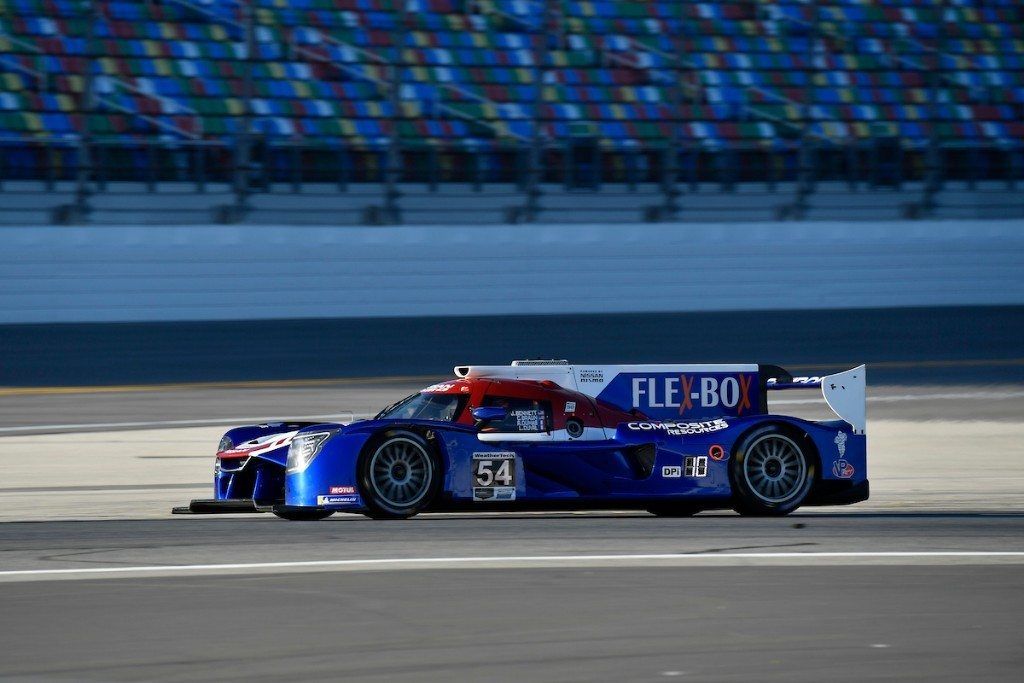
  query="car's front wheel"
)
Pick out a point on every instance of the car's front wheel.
point(771, 473)
point(398, 476)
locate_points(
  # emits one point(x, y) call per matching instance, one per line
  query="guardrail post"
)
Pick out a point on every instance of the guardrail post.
point(100, 176)
point(433, 169)
point(670, 167)
point(1014, 166)
point(934, 76)
point(477, 170)
point(151, 163)
point(669, 183)
point(631, 168)
point(972, 167)
point(531, 208)
point(393, 162)
point(243, 141)
point(86, 105)
point(771, 168)
point(49, 154)
point(343, 168)
point(852, 164)
point(522, 170)
point(693, 167)
point(199, 167)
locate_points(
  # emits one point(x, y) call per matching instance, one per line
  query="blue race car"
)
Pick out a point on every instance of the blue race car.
point(547, 435)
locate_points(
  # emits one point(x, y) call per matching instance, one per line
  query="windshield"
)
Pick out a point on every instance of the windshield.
point(440, 407)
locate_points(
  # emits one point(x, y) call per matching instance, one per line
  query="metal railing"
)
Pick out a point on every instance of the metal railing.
point(623, 182)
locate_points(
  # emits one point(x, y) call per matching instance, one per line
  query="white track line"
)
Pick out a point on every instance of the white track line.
point(519, 560)
point(178, 423)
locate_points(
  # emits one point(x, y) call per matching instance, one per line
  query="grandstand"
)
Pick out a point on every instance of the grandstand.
point(412, 110)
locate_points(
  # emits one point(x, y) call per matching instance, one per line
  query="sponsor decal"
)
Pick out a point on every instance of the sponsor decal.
point(716, 452)
point(260, 445)
point(438, 388)
point(494, 476)
point(688, 392)
point(494, 455)
point(504, 493)
point(671, 471)
point(695, 466)
point(484, 493)
point(679, 428)
point(341, 490)
point(842, 469)
point(570, 406)
point(591, 376)
point(796, 380)
point(329, 501)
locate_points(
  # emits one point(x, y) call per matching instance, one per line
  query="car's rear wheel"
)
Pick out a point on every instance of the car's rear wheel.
point(307, 515)
point(398, 476)
point(771, 473)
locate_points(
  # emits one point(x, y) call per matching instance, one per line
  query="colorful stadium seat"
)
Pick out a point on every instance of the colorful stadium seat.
point(738, 72)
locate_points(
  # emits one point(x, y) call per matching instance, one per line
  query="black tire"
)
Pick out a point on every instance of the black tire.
point(674, 509)
point(308, 515)
point(399, 475)
point(771, 472)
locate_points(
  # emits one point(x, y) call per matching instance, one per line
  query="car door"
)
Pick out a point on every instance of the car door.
point(555, 466)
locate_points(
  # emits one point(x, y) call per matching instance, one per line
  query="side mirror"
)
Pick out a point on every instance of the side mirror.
point(488, 413)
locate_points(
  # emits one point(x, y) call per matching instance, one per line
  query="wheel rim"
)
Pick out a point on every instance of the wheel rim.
point(400, 472)
point(774, 468)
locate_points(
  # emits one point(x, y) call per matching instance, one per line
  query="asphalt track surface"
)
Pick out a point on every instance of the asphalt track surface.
point(732, 620)
point(925, 581)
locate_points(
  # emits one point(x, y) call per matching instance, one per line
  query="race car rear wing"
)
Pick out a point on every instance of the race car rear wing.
point(844, 392)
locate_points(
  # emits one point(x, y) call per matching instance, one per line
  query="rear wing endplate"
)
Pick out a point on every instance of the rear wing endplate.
point(845, 393)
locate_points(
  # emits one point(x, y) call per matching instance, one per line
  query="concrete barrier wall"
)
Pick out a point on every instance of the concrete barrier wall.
point(214, 272)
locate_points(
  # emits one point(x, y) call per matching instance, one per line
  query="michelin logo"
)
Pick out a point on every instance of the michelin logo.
point(680, 428)
point(331, 501)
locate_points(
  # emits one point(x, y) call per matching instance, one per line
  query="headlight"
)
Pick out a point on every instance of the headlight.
point(304, 448)
point(225, 444)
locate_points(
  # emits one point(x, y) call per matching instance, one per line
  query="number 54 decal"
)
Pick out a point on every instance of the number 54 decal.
point(494, 476)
